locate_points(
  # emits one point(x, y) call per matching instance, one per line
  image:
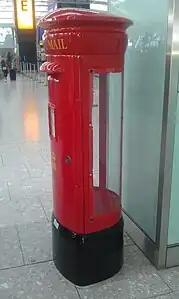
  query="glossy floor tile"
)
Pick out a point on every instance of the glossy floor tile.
point(21, 210)
point(137, 279)
point(40, 281)
point(26, 208)
point(168, 296)
point(36, 242)
point(171, 277)
point(10, 251)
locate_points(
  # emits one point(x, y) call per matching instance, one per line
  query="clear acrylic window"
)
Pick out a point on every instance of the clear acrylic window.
point(106, 122)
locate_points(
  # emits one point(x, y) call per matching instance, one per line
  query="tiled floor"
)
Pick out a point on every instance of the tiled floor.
point(26, 269)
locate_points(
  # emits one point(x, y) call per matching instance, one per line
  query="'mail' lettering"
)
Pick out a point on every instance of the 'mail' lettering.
point(50, 44)
point(56, 44)
point(63, 46)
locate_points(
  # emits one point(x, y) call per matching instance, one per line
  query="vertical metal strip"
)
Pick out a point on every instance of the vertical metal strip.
point(102, 129)
point(121, 133)
point(167, 145)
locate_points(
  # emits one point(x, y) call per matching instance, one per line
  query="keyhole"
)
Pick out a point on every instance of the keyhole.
point(68, 160)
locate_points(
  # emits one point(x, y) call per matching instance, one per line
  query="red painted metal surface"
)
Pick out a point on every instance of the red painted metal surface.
point(79, 43)
point(80, 17)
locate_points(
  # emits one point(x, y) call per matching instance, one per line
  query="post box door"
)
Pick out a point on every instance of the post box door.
point(106, 144)
point(64, 118)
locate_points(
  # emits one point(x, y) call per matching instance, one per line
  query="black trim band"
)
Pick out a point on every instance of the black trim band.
point(87, 259)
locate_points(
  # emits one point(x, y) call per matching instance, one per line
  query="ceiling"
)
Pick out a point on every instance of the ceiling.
point(41, 8)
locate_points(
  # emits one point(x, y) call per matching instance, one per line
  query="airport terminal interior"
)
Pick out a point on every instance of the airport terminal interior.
point(149, 164)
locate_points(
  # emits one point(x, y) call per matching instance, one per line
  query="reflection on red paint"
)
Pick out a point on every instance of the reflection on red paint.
point(31, 122)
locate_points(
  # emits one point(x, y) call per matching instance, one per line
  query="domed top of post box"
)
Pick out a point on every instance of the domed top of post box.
point(70, 17)
point(72, 31)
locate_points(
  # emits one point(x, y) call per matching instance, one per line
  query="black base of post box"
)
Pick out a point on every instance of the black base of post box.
point(87, 259)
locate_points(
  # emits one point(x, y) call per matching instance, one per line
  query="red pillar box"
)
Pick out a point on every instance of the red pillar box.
point(85, 61)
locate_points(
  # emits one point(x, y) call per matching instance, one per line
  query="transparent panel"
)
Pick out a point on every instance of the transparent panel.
point(6, 37)
point(106, 120)
point(143, 107)
point(114, 134)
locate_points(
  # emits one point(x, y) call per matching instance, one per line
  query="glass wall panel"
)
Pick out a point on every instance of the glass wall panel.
point(6, 37)
point(143, 107)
